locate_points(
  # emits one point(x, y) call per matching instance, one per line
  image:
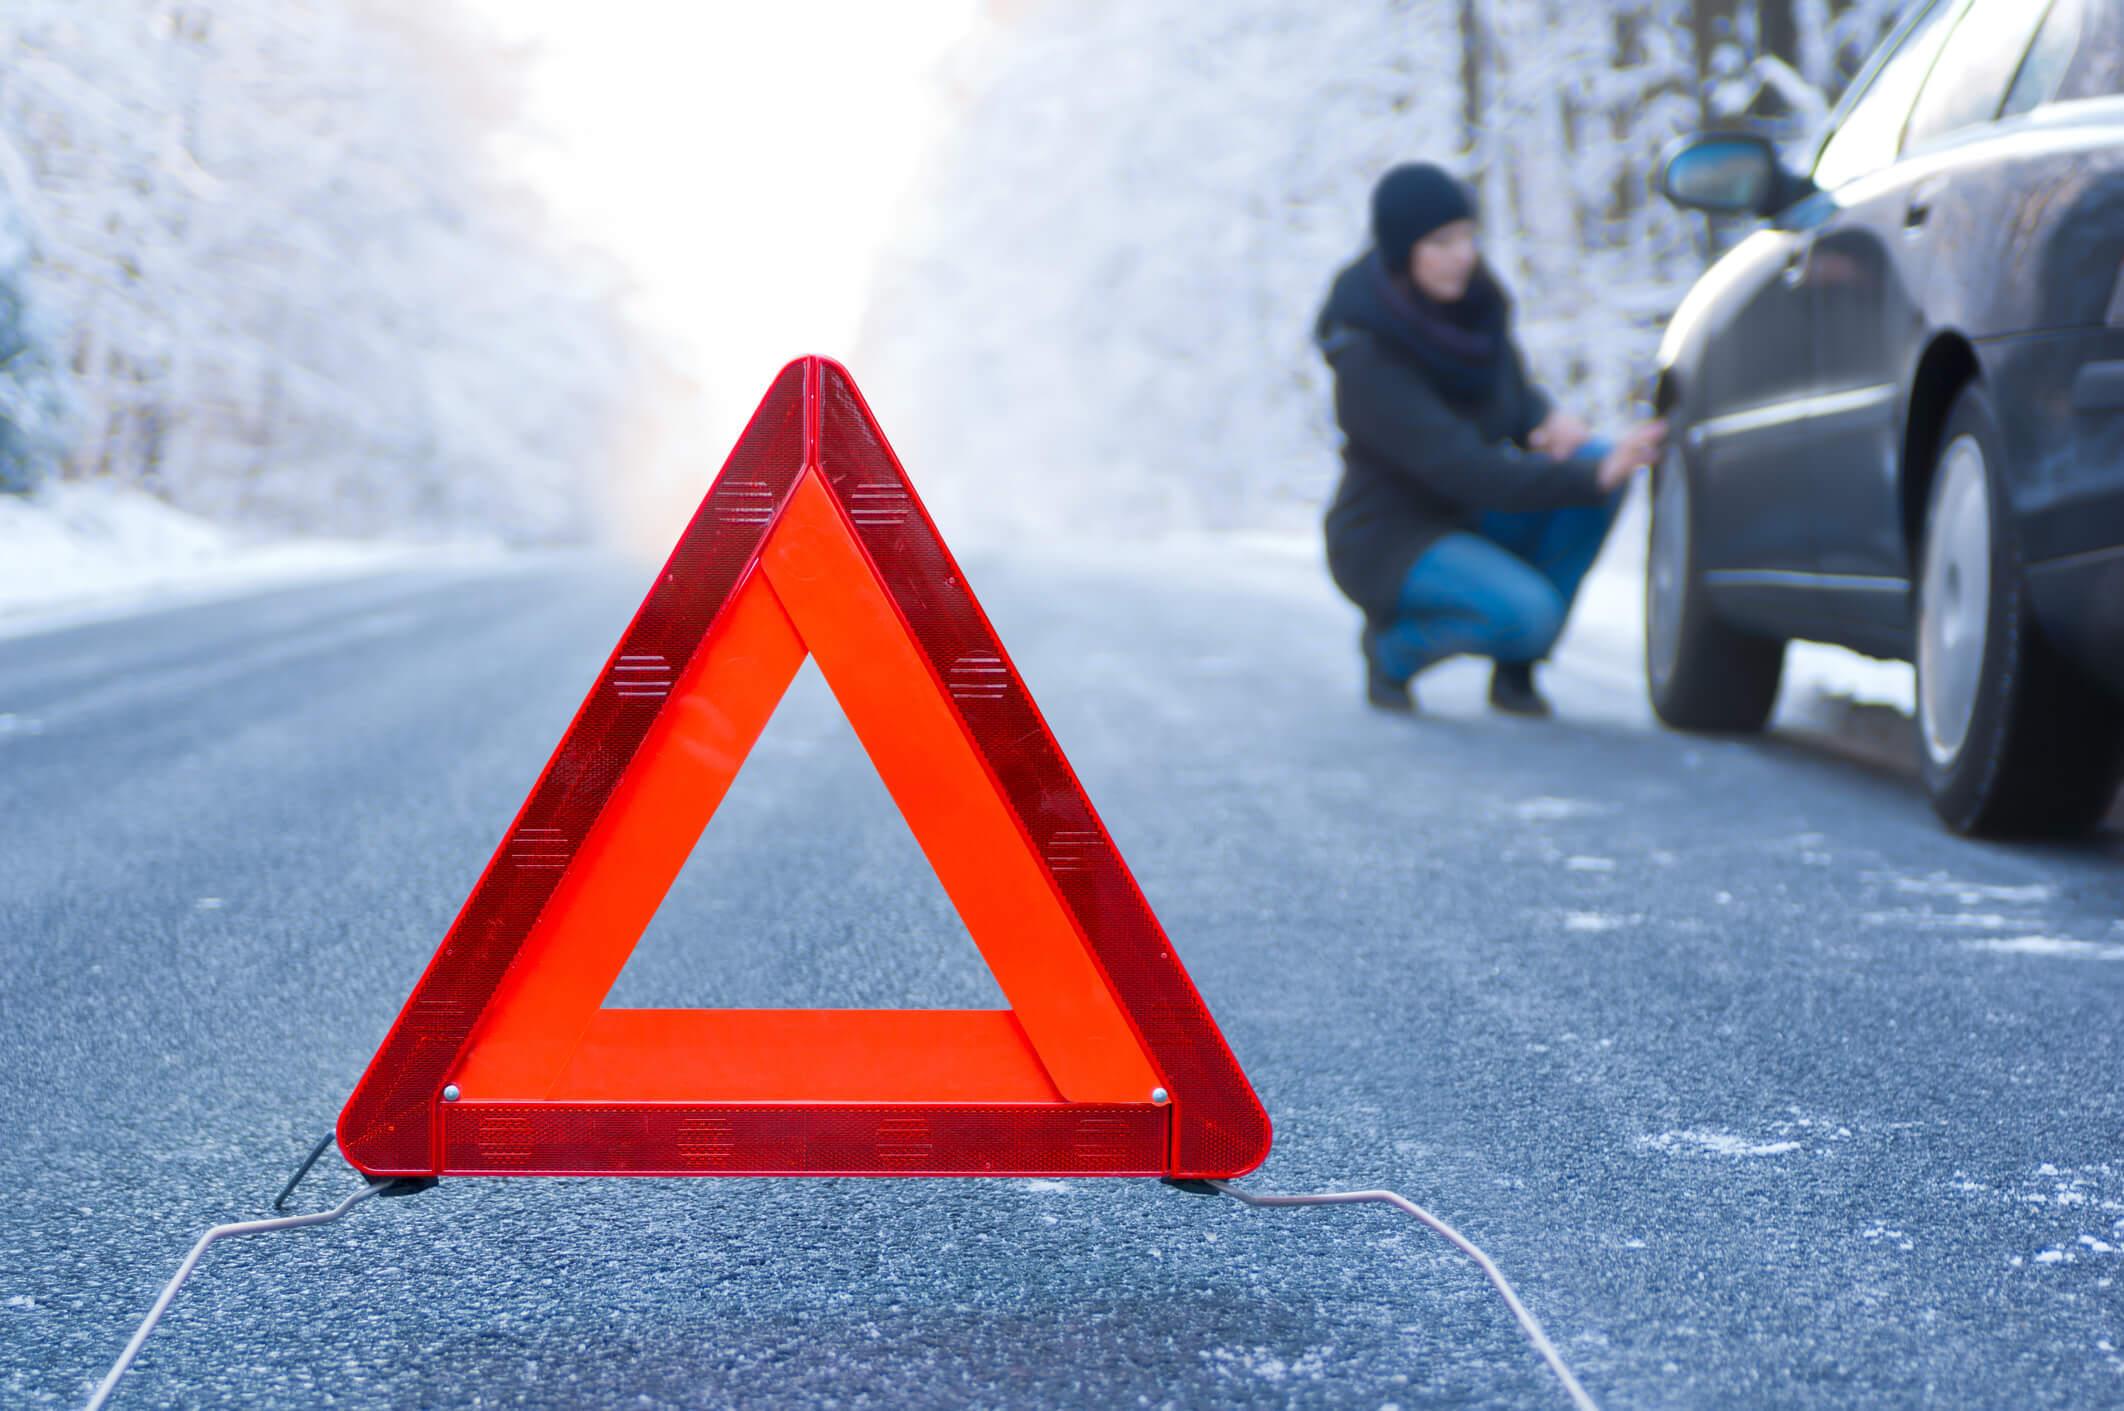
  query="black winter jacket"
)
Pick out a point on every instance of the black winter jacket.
point(1419, 463)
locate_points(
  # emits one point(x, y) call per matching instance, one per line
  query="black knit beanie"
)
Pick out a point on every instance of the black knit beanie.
point(1410, 202)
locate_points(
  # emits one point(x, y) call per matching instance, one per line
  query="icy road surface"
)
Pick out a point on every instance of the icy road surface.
point(1764, 1090)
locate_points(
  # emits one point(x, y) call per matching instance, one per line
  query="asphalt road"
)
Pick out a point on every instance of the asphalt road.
point(1764, 1090)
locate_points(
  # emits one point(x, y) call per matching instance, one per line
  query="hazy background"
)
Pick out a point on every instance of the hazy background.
point(519, 268)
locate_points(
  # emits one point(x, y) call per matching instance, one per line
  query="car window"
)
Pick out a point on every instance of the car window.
point(1968, 84)
point(1872, 126)
point(2043, 71)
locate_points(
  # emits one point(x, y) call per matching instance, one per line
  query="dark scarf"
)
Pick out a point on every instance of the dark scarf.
point(1460, 346)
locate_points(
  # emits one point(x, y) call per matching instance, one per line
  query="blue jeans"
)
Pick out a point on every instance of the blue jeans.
point(1501, 591)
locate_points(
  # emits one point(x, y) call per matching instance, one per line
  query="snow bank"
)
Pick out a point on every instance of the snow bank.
point(82, 550)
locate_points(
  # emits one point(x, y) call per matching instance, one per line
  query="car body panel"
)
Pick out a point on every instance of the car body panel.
point(1866, 275)
point(2080, 602)
point(1742, 457)
point(2062, 413)
point(2029, 217)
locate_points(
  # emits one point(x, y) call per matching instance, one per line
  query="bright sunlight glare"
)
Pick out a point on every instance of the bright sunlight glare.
point(745, 162)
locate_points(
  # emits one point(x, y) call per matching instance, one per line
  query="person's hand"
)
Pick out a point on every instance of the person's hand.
point(1638, 447)
point(1560, 436)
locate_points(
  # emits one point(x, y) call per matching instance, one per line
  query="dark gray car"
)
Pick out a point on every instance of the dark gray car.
point(1899, 411)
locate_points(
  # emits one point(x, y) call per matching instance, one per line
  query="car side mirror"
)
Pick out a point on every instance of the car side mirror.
point(1727, 174)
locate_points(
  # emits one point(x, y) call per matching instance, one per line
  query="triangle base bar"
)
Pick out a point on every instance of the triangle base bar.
point(740, 1139)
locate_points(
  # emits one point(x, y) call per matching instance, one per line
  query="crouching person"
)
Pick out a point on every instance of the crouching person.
point(1469, 510)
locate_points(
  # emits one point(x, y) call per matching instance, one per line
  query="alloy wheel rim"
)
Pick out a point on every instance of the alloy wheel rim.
point(1954, 602)
point(1669, 562)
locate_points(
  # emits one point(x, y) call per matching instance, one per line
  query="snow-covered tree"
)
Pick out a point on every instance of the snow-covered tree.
point(32, 400)
point(1099, 313)
point(1569, 108)
point(293, 291)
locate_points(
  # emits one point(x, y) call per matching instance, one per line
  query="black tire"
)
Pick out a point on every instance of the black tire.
point(2036, 750)
point(1702, 674)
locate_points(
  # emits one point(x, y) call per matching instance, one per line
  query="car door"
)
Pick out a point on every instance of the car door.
point(1758, 438)
point(1867, 277)
point(1759, 360)
point(1740, 444)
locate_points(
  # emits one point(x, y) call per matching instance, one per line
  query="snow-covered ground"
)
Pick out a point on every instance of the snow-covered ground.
point(76, 551)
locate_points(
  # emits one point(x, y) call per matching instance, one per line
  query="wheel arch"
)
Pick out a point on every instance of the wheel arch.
point(1948, 365)
point(1666, 391)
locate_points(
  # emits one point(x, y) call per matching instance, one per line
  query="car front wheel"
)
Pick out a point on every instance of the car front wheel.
point(2012, 741)
point(1702, 673)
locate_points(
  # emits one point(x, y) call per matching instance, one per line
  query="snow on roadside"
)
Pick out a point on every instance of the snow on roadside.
point(1605, 637)
point(81, 550)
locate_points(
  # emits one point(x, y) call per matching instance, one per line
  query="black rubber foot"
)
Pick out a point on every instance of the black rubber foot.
point(403, 1185)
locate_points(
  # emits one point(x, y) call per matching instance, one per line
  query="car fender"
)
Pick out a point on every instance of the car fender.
point(1716, 294)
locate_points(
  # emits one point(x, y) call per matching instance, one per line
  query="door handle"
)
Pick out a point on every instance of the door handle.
point(1919, 211)
point(1796, 263)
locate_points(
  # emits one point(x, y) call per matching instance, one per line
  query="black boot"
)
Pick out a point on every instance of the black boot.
point(1380, 689)
point(1512, 690)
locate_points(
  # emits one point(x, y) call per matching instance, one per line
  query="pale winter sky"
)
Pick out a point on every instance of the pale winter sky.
point(745, 159)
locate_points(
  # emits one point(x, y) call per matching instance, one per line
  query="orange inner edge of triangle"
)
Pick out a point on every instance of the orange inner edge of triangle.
point(811, 588)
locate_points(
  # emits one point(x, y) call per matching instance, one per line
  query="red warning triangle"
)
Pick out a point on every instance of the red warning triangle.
point(504, 1060)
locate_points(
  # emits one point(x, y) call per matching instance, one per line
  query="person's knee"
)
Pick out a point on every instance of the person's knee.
point(1530, 625)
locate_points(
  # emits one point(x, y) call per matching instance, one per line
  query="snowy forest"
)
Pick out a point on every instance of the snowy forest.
point(255, 256)
point(255, 260)
point(1100, 313)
